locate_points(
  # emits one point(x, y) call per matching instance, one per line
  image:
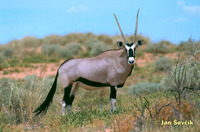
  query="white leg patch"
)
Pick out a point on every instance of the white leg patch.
point(116, 88)
point(63, 108)
point(112, 105)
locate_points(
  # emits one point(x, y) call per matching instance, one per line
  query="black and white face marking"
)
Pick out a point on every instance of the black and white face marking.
point(130, 48)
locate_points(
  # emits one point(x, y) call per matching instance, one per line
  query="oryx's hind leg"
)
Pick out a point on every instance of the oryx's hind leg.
point(67, 100)
point(74, 89)
point(69, 96)
point(113, 94)
point(67, 84)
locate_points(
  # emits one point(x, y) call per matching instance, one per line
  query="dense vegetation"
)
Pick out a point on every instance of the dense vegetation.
point(166, 88)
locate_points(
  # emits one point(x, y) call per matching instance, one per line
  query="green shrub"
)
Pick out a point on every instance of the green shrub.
point(161, 47)
point(145, 87)
point(190, 46)
point(16, 45)
point(16, 62)
point(100, 47)
point(156, 48)
point(51, 50)
point(95, 46)
point(6, 52)
point(1, 67)
point(184, 79)
point(163, 64)
point(71, 50)
point(184, 74)
point(52, 39)
point(139, 52)
point(30, 42)
point(105, 39)
point(146, 40)
point(38, 58)
point(75, 38)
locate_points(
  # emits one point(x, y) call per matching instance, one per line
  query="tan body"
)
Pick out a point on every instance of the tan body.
point(110, 67)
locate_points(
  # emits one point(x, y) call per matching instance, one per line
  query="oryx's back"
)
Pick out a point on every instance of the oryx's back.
point(109, 65)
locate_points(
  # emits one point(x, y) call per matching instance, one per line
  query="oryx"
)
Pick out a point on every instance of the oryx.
point(109, 69)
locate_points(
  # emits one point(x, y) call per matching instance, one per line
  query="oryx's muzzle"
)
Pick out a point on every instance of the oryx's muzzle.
point(131, 60)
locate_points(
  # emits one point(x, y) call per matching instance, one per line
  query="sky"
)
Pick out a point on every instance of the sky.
point(173, 20)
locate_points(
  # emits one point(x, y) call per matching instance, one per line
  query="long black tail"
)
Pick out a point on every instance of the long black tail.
point(44, 106)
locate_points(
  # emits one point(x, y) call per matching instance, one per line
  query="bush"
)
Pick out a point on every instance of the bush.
point(52, 39)
point(14, 44)
point(51, 50)
point(6, 52)
point(38, 58)
point(184, 79)
point(30, 42)
point(184, 74)
point(105, 39)
point(163, 64)
point(156, 48)
point(146, 40)
point(145, 87)
point(161, 47)
point(71, 50)
point(190, 46)
point(95, 46)
point(75, 38)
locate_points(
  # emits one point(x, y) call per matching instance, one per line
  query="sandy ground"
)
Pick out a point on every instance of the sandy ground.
point(40, 70)
point(44, 70)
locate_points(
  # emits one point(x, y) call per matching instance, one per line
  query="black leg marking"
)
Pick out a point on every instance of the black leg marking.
point(71, 99)
point(120, 86)
point(68, 100)
point(113, 92)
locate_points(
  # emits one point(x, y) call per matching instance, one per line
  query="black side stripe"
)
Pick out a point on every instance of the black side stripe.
point(92, 83)
point(96, 84)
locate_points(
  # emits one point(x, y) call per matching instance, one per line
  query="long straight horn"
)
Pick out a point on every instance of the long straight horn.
point(136, 25)
point(120, 30)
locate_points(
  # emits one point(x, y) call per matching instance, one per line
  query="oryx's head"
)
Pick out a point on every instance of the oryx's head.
point(130, 47)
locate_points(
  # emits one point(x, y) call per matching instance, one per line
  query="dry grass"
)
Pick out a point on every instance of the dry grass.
point(124, 123)
point(168, 112)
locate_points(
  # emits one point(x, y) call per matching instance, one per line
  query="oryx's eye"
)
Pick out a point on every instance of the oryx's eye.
point(119, 43)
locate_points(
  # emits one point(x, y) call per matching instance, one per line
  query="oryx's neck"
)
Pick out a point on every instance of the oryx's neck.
point(116, 59)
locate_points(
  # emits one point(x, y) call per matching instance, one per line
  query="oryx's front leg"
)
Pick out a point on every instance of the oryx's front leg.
point(113, 94)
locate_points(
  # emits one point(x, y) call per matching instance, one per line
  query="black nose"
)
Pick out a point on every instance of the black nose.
point(131, 62)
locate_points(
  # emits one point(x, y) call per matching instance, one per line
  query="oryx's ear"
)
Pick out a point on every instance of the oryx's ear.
point(119, 44)
point(140, 42)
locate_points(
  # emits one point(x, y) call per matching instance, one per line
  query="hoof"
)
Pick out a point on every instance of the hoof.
point(112, 112)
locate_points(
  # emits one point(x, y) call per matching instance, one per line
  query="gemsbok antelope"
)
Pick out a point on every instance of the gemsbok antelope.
point(109, 69)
